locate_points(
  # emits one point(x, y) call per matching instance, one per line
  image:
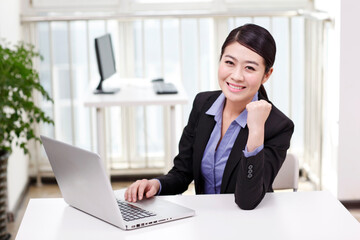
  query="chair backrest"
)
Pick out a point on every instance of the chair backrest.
point(288, 176)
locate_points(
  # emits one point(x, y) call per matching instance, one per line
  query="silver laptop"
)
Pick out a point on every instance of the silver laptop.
point(85, 185)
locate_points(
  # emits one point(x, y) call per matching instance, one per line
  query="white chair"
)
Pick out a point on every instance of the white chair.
point(288, 176)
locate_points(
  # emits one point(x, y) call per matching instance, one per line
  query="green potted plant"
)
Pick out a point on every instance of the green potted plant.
point(19, 81)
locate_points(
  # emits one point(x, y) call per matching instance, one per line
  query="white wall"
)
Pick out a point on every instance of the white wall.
point(18, 163)
point(349, 112)
point(341, 161)
point(10, 20)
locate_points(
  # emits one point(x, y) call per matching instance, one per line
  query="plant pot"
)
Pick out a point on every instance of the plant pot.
point(4, 156)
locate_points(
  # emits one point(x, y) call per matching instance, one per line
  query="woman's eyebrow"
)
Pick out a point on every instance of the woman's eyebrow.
point(252, 62)
point(248, 61)
point(233, 58)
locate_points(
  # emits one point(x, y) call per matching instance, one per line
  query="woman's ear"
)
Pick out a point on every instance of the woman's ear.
point(267, 76)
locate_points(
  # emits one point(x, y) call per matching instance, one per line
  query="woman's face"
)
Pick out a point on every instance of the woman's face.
point(241, 72)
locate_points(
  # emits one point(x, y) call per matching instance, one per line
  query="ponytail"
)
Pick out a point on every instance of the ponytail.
point(263, 93)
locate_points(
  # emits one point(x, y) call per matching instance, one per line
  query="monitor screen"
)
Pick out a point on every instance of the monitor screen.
point(105, 60)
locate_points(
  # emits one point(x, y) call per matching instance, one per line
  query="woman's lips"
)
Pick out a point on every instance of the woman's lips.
point(235, 87)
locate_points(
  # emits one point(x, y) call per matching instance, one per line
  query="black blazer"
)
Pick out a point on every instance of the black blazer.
point(249, 178)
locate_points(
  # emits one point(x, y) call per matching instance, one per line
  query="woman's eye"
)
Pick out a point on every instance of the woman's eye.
point(250, 68)
point(229, 62)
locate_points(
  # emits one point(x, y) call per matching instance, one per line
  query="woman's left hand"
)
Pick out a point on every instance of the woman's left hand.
point(258, 112)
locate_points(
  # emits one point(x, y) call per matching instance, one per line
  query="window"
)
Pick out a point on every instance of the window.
point(179, 48)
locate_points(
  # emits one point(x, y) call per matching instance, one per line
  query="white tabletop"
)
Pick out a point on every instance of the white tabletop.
point(135, 91)
point(285, 215)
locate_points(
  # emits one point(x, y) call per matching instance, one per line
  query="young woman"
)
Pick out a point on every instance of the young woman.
point(236, 140)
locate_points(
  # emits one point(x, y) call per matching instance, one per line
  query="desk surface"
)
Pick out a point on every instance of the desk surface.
point(134, 92)
point(284, 215)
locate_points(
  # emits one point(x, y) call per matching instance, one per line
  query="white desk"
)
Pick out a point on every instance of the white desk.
point(280, 216)
point(134, 92)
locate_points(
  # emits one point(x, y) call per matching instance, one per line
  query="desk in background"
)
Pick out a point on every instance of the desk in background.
point(280, 216)
point(134, 92)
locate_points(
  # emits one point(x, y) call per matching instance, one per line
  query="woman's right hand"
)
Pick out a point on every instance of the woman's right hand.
point(141, 188)
point(258, 113)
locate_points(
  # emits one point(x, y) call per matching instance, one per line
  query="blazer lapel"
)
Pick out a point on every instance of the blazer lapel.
point(205, 127)
point(234, 157)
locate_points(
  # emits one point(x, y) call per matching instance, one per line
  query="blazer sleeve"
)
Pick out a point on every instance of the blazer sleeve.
point(257, 173)
point(181, 175)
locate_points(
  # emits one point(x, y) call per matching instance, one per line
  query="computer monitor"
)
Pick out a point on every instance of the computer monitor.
point(106, 62)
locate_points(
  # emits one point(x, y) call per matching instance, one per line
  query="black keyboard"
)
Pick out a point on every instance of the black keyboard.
point(131, 212)
point(164, 88)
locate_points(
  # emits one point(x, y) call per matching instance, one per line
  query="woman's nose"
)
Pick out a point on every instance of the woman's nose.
point(237, 74)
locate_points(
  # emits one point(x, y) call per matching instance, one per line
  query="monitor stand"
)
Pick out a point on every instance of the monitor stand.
point(100, 90)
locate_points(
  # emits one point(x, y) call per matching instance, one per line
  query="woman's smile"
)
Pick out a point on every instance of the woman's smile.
point(235, 87)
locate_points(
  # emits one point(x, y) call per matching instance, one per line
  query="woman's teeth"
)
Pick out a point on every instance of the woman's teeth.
point(236, 87)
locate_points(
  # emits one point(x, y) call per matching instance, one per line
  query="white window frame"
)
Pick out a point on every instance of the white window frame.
point(80, 7)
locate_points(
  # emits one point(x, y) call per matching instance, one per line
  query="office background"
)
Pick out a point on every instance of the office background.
point(316, 85)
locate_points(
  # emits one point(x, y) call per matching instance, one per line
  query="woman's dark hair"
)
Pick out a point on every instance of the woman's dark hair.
point(259, 40)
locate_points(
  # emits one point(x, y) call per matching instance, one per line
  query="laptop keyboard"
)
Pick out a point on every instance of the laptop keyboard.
point(131, 212)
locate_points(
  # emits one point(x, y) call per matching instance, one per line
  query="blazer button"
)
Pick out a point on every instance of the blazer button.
point(249, 175)
point(250, 171)
point(250, 166)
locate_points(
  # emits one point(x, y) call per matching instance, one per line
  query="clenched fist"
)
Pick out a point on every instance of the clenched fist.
point(258, 112)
